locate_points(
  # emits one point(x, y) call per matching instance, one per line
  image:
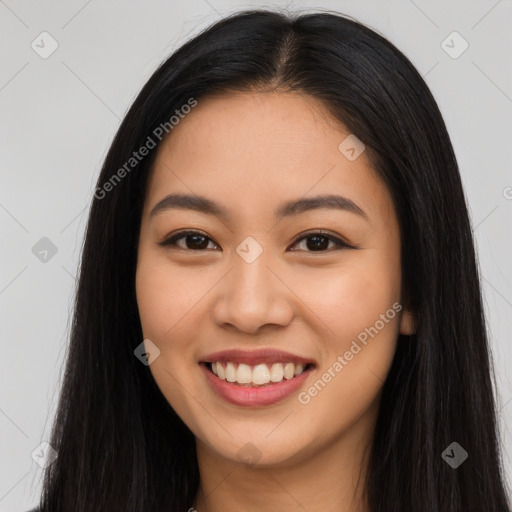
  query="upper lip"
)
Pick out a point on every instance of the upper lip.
point(259, 356)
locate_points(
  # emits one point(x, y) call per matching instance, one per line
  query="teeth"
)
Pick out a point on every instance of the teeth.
point(260, 374)
point(244, 374)
point(257, 375)
point(230, 372)
point(289, 371)
point(276, 372)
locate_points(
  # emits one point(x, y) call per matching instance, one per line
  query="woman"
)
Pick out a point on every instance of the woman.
point(278, 305)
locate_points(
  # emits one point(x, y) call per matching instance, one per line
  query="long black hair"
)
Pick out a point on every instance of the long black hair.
point(120, 445)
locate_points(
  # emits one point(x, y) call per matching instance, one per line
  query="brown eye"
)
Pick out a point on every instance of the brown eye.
point(319, 242)
point(198, 241)
point(194, 241)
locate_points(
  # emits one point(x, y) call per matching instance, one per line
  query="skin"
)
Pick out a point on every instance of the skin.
point(250, 152)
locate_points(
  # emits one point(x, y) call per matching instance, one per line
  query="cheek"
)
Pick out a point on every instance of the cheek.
point(166, 297)
point(361, 306)
point(352, 297)
point(170, 323)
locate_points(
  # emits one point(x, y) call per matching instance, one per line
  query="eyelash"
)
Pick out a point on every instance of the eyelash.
point(340, 244)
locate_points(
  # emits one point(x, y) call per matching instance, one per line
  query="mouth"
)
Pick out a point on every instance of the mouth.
point(259, 375)
point(256, 378)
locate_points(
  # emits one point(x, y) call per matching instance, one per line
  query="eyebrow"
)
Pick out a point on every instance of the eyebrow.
point(287, 209)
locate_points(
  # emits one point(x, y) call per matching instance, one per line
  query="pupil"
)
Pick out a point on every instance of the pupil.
point(318, 242)
point(197, 245)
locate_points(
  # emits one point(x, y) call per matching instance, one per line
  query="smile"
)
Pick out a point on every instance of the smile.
point(255, 378)
point(258, 375)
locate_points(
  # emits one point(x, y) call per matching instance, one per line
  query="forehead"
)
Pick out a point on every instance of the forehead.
point(282, 128)
point(251, 149)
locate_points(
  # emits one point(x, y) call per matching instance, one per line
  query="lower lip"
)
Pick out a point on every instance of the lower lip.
point(254, 396)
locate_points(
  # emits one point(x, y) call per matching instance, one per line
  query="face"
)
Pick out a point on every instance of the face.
point(276, 324)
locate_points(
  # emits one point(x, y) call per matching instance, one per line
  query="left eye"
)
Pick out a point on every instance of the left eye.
point(318, 242)
point(314, 242)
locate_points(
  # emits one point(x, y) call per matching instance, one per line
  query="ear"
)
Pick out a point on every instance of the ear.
point(407, 323)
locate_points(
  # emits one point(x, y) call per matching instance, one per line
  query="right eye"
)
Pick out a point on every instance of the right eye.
point(198, 241)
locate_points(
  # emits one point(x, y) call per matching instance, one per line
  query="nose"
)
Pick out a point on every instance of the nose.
point(252, 295)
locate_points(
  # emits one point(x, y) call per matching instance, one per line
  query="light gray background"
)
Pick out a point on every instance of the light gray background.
point(58, 117)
